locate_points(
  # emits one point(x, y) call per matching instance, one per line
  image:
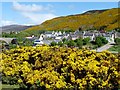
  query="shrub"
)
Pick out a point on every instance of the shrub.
point(56, 67)
point(79, 42)
point(53, 43)
point(117, 41)
point(60, 43)
point(100, 41)
point(71, 43)
point(86, 40)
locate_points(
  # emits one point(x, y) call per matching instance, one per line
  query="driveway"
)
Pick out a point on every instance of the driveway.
point(105, 47)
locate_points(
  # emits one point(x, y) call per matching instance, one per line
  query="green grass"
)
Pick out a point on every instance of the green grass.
point(8, 87)
point(115, 48)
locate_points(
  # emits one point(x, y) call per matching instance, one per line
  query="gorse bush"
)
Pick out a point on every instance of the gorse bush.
point(107, 20)
point(55, 68)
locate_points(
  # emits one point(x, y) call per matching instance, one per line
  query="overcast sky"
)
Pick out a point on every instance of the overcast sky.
point(33, 13)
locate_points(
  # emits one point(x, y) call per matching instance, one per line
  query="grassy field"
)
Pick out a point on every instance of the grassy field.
point(8, 87)
point(115, 48)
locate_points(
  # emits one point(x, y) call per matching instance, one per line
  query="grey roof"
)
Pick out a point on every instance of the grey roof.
point(118, 34)
point(57, 41)
point(48, 32)
point(48, 42)
point(73, 35)
point(88, 34)
point(106, 34)
point(78, 32)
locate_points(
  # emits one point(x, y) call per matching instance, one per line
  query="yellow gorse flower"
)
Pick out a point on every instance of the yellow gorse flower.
point(60, 67)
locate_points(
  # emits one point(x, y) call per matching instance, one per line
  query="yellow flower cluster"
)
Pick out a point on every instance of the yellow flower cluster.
point(61, 67)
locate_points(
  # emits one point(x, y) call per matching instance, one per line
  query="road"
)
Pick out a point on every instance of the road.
point(105, 47)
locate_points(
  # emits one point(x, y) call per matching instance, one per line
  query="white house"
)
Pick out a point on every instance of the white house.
point(66, 36)
point(30, 37)
point(90, 35)
point(64, 33)
point(41, 37)
point(109, 36)
point(117, 34)
point(59, 37)
point(73, 37)
point(48, 34)
point(59, 33)
point(56, 34)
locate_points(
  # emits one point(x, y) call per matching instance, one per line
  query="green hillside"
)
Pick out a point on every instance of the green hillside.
point(94, 19)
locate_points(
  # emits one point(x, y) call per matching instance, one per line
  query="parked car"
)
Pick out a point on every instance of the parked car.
point(38, 42)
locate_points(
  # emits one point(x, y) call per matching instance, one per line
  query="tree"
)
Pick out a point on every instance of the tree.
point(86, 40)
point(104, 41)
point(64, 40)
point(117, 41)
point(53, 43)
point(100, 41)
point(60, 43)
point(102, 27)
point(79, 42)
point(80, 29)
point(71, 43)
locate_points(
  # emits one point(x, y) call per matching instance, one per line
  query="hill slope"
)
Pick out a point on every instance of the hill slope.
point(9, 28)
point(94, 19)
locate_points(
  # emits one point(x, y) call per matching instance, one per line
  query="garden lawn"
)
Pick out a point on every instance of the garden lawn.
point(115, 48)
point(7, 86)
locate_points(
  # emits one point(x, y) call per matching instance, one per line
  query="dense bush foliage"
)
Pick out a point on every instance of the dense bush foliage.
point(117, 41)
point(59, 68)
point(86, 40)
point(53, 43)
point(99, 41)
point(72, 43)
